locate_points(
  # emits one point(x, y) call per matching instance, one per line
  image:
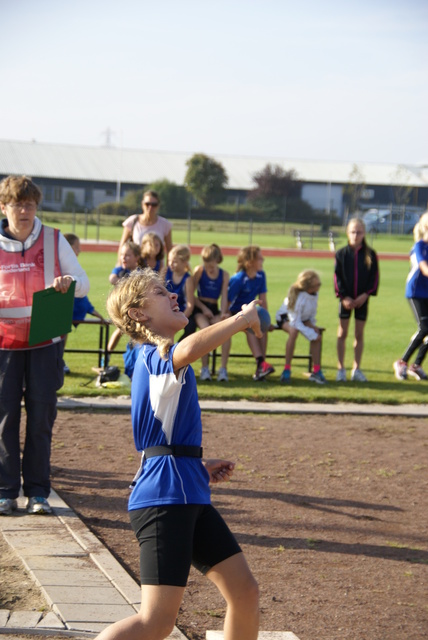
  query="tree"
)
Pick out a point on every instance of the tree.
point(173, 198)
point(132, 200)
point(69, 202)
point(206, 179)
point(354, 189)
point(274, 184)
point(402, 190)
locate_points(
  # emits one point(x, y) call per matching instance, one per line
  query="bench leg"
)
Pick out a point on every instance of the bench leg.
point(100, 346)
point(213, 361)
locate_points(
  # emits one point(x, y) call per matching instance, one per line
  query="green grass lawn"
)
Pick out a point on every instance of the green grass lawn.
point(388, 330)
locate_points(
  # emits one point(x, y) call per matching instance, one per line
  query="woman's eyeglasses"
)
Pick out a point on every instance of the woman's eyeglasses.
point(149, 203)
point(26, 206)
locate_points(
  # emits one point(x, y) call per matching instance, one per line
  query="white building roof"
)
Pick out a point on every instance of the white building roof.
point(109, 164)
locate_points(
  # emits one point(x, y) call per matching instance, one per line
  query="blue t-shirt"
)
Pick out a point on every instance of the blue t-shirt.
point(165, 410)
point(417, 283)
point(243, 289)
point(130, 357)
point(81, 307)
point(120, 272)
point(179, 289)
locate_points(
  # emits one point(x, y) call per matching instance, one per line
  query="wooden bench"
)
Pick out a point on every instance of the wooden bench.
point(269, 356)
point(103, 339)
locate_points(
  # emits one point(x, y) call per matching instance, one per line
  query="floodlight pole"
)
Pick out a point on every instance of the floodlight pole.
point(119, 172)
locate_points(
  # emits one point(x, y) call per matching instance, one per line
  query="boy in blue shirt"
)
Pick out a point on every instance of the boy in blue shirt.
point(247, 284)
point(170, 506)
point(82, 306)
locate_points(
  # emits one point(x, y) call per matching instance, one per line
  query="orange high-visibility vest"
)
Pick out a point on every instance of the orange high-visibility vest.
point(21, 275)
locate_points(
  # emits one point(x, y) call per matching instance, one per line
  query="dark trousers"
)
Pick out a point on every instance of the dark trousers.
point(419, 307)
point(35, 375)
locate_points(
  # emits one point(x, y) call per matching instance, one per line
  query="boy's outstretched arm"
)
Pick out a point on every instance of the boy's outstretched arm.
point(205, 340)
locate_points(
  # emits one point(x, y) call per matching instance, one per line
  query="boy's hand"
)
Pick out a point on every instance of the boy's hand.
point(360, 300)
point(249, 311)
point(219, 470)
point(348, 303)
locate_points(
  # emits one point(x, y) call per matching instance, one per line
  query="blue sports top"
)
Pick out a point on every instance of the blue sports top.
point(156, 268)
point(120, 272)
point(179, 289)
point(165, 410)
point(81, 307)
point(242, 289)
point(417, 283)
point(208, 287)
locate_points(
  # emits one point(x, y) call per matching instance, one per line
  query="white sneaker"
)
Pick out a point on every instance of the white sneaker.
point(358, 376)
point(222, 375)
point(341, 375)
point(7, 505)
point(205, 374)
point(38, 505)
point(400, 368)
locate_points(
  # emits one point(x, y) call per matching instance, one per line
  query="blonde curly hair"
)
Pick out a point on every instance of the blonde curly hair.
point(421, 227)
point(132, 292)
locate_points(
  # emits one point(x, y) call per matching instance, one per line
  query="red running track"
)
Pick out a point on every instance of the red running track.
point(111, 247)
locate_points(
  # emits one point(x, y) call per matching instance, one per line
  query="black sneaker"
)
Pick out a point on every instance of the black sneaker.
point(263, 370)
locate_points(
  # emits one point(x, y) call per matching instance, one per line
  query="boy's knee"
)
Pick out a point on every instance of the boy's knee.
point(252, 593)
point(166, 627)
point(162, 625)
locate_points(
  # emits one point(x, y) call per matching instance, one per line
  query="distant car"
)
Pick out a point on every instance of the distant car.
point(383, 221)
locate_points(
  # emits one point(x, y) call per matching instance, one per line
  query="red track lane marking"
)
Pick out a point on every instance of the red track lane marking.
point(105, 247)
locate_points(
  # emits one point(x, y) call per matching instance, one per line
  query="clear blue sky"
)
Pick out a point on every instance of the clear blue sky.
point(331, 80)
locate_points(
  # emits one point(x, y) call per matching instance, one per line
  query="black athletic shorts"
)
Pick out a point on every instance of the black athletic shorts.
point(284, 318)
point(360, 313)
point(212, 306)
point(174, 537)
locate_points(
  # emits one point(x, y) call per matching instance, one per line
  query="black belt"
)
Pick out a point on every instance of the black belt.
point(177, 450)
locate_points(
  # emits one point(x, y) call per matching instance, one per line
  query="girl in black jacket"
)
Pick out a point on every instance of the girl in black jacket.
point(356, 277)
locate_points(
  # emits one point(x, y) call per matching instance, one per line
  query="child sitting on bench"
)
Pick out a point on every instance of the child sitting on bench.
point(298, 315)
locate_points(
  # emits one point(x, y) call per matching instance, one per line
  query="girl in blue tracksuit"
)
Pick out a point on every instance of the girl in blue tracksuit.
point(417, 295)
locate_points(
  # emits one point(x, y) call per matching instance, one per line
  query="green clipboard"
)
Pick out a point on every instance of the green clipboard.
point(51, 314)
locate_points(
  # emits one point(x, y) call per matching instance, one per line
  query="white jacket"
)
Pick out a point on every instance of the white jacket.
point(305, 310)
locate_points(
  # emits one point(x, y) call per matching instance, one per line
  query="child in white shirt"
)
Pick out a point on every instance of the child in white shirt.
point(298, 315)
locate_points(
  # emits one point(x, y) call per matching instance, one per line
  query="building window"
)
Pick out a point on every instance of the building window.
point(53, 194)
